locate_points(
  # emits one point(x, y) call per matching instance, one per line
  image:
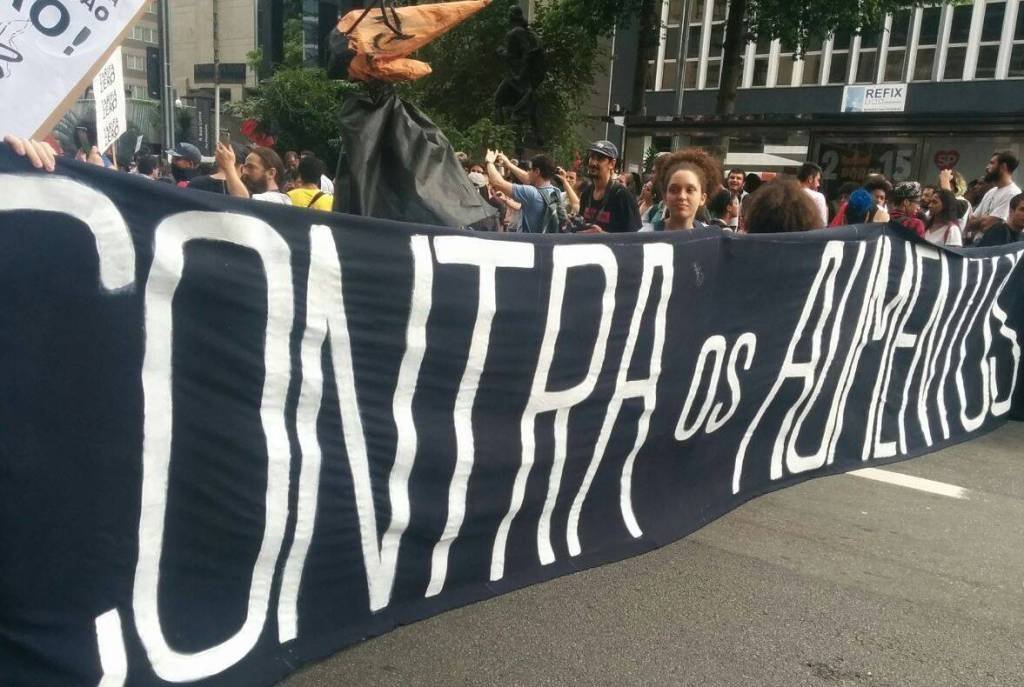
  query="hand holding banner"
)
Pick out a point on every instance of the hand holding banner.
point(49, 49)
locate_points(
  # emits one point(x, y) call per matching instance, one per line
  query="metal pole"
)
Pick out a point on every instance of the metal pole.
point(216, 79)
point(684, 39)
point(168, 99)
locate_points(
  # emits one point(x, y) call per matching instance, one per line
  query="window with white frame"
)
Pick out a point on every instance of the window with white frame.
point(896, 52)
point(927, 44)
point(1017, 51)
point(784, 71)
point(669, 70)
point(867, 56)
point(991, 33)
point(956, 50)
point(762, 53)
point(694, 28)
point(137, 92)
point(135, 63)
point(144, 34)
point(717, 44)
point(668, 46)
point(840, 65)
point(811, 58)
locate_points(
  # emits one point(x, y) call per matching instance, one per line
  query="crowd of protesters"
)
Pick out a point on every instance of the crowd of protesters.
point(254, 172)
point(687, 190)
point(684, 190)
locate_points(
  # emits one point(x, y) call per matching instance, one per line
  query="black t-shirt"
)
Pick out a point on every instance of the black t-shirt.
point(999, 235)
point(616, 212)
point(209, 184)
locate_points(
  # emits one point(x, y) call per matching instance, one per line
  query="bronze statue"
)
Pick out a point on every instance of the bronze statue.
point(515, 101)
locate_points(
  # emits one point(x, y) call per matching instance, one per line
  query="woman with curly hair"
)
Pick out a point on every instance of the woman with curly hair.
point(780, 206)
point(685, 179)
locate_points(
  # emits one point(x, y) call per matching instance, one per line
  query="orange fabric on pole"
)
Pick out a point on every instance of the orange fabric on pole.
point(381, 55)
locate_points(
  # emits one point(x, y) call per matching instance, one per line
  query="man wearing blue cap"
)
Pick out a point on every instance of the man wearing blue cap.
point(606, 205)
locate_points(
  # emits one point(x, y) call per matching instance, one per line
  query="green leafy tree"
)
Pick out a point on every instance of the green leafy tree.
point(459, 95)
point(300, 107)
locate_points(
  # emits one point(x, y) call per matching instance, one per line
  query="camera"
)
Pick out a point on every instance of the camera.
point(574, 224)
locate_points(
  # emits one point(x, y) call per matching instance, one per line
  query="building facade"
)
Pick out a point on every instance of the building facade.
point(144, 36)
point(958, 69)
point(196, 26)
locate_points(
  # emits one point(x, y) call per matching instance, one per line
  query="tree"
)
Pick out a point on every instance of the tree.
point(795, 24)
point(300, 106)
point(459, 95)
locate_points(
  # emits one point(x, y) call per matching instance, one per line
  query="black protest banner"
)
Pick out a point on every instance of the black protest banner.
point(236, 437)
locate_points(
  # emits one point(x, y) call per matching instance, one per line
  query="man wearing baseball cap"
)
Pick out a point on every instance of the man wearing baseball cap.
point(606, 205)
point(185, 159)
point(906, 203)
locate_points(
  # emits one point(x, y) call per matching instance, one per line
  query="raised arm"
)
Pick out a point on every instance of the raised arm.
point(497, 181)
point(521, 175)
point(228, 165)
point(570, 193)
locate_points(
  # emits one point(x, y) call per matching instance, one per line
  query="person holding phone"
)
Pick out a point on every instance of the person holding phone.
point(217, 182)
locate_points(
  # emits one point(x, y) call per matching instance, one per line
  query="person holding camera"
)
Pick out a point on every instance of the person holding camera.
point(606, 205)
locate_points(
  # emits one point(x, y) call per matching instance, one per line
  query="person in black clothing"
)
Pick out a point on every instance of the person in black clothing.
point(607, 206)
point(149, 166)
point(1009, 231)
point(216, 182)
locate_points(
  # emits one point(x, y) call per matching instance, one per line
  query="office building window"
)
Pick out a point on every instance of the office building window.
point(715, 50)
point(1017, 52)
point(840, 58)
point(867, 59)
point(959, 33)
point(144, 34)
point(896, 53)
point(761, 53)
point(135, 62)
point(928, 41)
point(812, 62)
point(692, 46)
point(669, 71)
point(784, 74)
point(991, 32)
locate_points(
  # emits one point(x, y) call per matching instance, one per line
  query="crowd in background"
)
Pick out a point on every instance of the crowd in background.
point(684, 190)
point(687, 190)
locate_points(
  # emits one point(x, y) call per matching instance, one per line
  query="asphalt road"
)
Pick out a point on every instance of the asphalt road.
point(839, 581)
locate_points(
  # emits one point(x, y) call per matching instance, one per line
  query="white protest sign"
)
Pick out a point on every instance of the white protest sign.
point(111, 112)
point(49, 50)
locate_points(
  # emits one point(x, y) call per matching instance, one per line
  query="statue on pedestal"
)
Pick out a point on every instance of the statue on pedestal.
point(515, 101)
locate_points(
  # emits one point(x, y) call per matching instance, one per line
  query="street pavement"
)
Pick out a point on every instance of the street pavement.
point(839, 581)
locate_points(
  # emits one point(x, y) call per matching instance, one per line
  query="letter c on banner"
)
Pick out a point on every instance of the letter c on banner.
point(113, 240)
point(168, 262)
